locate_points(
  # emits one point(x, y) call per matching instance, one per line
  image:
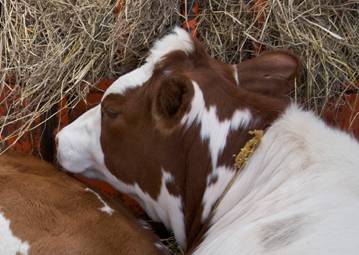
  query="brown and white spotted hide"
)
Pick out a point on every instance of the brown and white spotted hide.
point(44, 211)
point(166, 133)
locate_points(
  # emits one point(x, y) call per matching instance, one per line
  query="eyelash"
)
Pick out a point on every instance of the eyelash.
point(110, 113)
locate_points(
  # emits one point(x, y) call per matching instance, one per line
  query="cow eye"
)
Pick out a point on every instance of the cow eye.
point(110, 112)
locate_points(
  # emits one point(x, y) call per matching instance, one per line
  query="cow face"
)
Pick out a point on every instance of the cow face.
point(166, 132)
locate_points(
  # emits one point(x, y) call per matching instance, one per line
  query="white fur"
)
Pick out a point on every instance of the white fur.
point(179, 39)
point(10, 244)
point(173, 208)
point(214, 191)
point(130, 80)
point(212, 129)
point(105, 208)
point(79, 147)
point(298, 194)
point(166, 208)
point(215, 132)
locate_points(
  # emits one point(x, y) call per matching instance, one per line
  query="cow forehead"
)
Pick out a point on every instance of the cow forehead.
point(178, 39)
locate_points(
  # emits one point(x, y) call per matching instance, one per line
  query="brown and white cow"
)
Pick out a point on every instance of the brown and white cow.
point(167, 132)
point(44, 211)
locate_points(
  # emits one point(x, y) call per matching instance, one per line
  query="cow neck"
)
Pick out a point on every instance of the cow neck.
point(240, 161)
point(267, 110)
point(192, 186)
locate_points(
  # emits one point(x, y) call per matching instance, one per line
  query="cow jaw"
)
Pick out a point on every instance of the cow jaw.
point(79, 151)
point(166, 208)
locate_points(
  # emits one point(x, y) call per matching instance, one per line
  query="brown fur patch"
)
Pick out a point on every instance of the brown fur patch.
point(53, 212)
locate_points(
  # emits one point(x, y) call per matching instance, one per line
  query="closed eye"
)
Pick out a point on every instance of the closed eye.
point(110, 112)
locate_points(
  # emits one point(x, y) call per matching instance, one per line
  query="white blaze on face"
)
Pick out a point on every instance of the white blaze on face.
point(10, 244)
point(215, 132)
point(105, 208)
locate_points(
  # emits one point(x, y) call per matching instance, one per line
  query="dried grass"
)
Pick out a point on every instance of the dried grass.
point(140, 23)
point(324, 33)
point(52, 49)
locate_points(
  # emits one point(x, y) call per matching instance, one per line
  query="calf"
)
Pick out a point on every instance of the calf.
point(167, 133)
point(44, 211)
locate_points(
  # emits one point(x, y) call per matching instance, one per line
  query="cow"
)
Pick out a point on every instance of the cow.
point(45, 211)
point(168, 134)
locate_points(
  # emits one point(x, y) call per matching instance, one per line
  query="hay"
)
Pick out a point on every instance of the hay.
point(140, 23)
point(51, 49)
point(324, 33)
point(54, 49)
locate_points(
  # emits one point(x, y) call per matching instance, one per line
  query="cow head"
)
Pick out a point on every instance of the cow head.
point(166, 132)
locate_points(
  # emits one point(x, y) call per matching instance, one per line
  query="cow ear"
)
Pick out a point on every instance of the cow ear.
point(172, 100)
point(272, 73)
